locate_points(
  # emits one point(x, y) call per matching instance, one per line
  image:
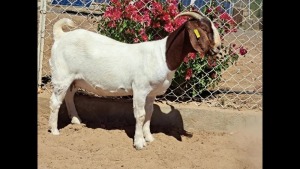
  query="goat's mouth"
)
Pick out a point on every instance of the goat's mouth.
point(213, 52)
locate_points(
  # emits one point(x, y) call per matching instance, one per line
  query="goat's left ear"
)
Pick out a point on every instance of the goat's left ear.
point(198, 37)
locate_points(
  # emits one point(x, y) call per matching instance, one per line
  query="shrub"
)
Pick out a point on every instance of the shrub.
point(139, 21)
point(147, 20)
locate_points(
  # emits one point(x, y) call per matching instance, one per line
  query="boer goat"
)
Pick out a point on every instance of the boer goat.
point(104, 66)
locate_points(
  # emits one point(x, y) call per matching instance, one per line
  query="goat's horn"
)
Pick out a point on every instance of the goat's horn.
point(192, 14)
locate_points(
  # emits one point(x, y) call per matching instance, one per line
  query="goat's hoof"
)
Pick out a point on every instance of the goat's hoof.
point(149, 138)
point(75, 120)
point(55, 132)
point(140, 143)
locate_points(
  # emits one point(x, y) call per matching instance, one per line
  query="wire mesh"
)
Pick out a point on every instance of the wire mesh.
point(240, 85)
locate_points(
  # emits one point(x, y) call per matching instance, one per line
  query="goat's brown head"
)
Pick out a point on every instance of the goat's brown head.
point(204, 36)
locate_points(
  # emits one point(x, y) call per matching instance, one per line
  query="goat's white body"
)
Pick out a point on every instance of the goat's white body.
point(108, 67)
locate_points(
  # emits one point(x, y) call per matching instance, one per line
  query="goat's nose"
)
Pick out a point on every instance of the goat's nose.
point(213, 51)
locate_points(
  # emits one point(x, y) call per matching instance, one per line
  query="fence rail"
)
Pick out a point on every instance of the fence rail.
point(241, 83)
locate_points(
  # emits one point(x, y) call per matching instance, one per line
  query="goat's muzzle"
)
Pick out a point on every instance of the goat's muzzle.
point(213, 52)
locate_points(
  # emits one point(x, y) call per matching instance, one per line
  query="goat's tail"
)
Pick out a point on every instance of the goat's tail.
point(57, 27)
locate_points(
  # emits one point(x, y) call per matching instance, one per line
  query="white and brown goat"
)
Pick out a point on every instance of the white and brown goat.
point(96, 63)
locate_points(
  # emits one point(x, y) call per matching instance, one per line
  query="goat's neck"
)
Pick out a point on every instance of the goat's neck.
point(178, 46)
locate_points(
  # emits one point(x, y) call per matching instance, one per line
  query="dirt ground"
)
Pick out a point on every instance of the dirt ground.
point(109, 144)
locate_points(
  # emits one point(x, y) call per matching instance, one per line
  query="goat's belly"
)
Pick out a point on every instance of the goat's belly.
point(102, 92)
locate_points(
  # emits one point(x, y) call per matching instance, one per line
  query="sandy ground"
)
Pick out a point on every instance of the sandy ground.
point(110, 145)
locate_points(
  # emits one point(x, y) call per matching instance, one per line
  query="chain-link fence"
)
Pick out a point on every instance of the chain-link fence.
point(240, 83)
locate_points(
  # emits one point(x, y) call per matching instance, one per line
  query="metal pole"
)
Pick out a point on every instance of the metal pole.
point(249, 10)
point(41, 34)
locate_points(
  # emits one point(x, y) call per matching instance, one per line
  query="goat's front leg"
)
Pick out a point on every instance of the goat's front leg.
point(149, 110)
point(139, 100)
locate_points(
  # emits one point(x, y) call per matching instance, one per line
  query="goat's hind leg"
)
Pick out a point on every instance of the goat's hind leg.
point(55, 103)
point(69, 99)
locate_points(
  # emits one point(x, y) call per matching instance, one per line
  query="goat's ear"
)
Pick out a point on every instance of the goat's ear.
point(198, 37)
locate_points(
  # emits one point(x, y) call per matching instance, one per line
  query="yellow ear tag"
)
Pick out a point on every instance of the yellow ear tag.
point(197, 33)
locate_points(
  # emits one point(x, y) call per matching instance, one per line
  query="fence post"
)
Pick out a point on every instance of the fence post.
point(41, 32)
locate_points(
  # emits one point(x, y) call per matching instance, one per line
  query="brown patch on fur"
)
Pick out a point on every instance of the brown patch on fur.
point(178, 46)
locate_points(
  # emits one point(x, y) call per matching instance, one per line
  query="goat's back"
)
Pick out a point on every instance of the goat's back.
point(103, 61)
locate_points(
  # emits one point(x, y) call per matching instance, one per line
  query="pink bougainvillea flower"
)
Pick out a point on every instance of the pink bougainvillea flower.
point(172, 2)
point(189, 73)
point(117, 14)
point(208, 10)
point(169, 27)
point(139, 4)
point(166, 17)
point(111, 24)
point(225, 16)
point(243, 51)
point(108, 12)
point(146, 18)
point(157, 8)
point(179, 21)
point(145, 1)
point(172, 9)
point(156, 25)
point(136, 40)
point(142, 31)
point(117, 3)
point(192, 55)
point(220, 9)
point(113, 13)
point(137, 17)
point(130, 10)
point(144, 37)
point(186, 59)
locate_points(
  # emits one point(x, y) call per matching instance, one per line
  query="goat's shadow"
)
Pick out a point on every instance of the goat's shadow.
point(116, 114)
